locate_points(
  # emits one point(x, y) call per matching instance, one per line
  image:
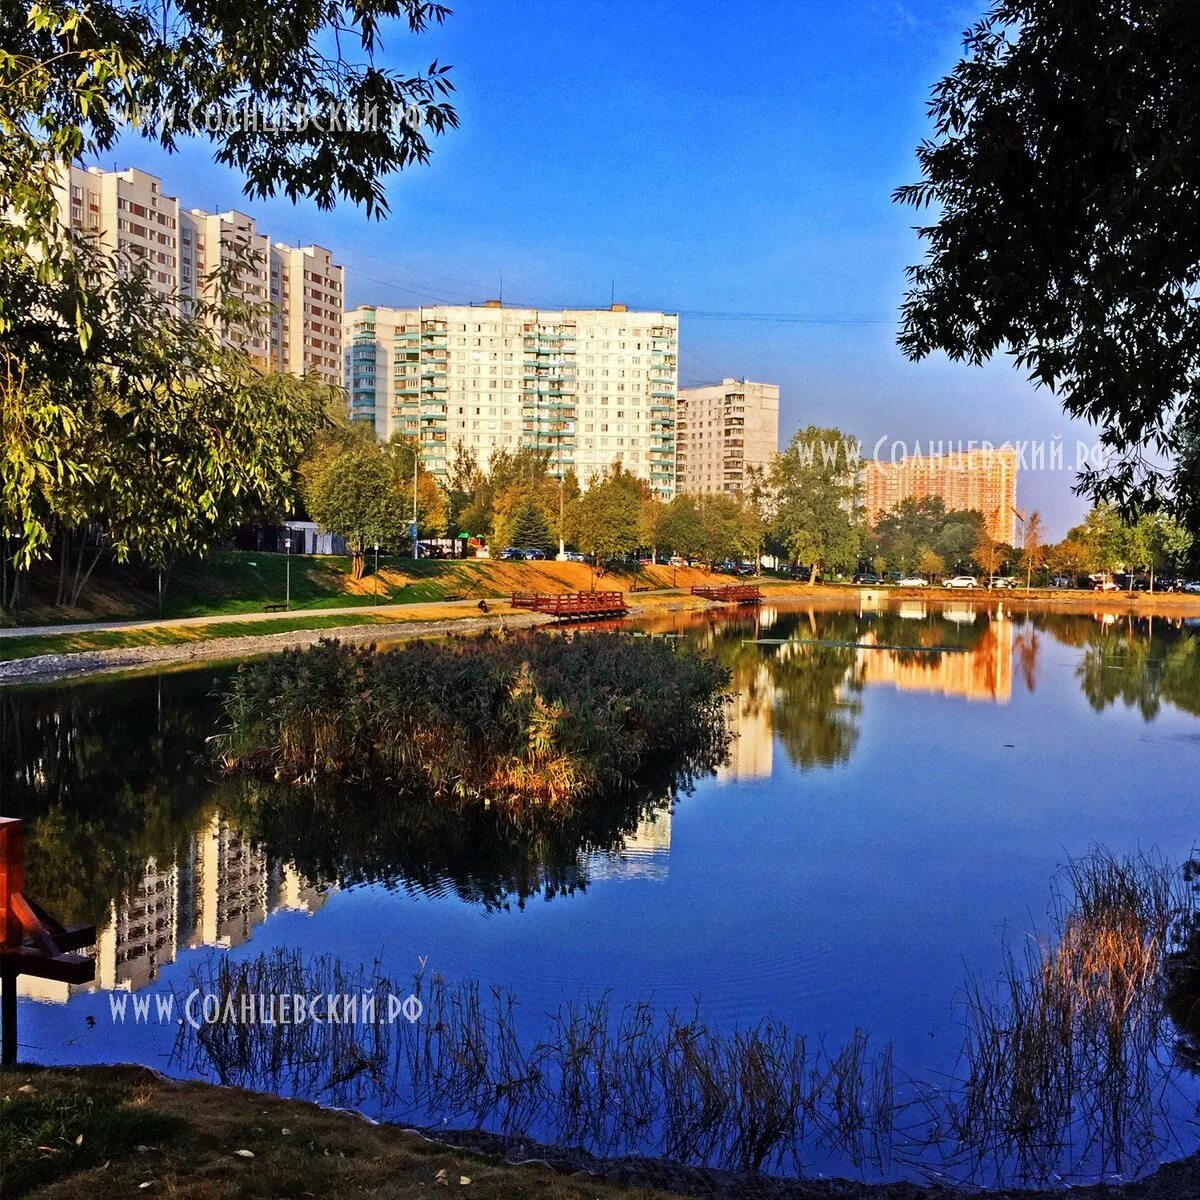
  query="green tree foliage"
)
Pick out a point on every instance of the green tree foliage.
point(1064, 170)
point(605, 521)
point(732, 529)
point(151, 443)
point(119, 417)
point(529, 530)
point(914, 526)
point(361, 490)
point(1106, 537)
point(681, 528)
point(815, 499)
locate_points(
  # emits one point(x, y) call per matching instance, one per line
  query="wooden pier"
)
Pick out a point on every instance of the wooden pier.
point(574, 606)
point(735, 593)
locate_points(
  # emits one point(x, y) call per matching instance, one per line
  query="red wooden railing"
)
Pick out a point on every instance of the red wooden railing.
point(735, 593)
point(573, 605)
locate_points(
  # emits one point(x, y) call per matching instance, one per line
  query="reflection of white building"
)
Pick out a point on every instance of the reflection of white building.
point(220, 889)
point(751, 746)
point(644, 854)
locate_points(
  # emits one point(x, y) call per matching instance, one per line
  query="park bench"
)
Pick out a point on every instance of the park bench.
point(277, 607)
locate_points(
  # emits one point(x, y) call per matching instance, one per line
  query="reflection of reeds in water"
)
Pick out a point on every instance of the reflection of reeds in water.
point(605, 1078)
point(1064, 1064)
point(1065, 1057)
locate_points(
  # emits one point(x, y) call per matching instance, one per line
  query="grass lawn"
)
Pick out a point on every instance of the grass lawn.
point(230, 582)
point(74, 643)
point(106, 1132)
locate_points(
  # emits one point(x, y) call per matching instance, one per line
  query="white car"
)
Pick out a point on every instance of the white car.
point(913, 581)
point(961, 581)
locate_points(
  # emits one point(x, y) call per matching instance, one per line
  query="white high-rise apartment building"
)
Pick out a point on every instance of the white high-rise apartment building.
point(724, 428)
point(128, 212)
point(590, 387)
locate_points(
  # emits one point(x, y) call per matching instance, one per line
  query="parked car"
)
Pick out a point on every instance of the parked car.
point(745, 569)
point(576, 556)
point(1002, 583)
point(676, 561)
point(866, 577)
point(1105, 585)
point(512, 554)
point(961, 581)
point(533, 553)
point(1192, 585)
point(1061, 581)
point(913, 581)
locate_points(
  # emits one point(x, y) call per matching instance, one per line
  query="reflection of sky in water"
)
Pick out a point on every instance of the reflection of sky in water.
point(885, 815)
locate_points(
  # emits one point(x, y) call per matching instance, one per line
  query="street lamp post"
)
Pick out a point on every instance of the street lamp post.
point(376, 572)
point(287, 553)
point(416, 472)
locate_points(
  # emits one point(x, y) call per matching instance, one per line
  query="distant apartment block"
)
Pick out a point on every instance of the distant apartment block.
point(723, 428)
point(589, 387)
point(983, 480)
point(128, 212)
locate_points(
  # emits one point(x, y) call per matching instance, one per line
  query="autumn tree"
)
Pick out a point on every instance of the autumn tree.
point(988, 554)
point(1033, 545)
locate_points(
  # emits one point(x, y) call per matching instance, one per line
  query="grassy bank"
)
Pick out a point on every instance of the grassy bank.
point(234, 581)
point(121, 1131)
point(103, 1133)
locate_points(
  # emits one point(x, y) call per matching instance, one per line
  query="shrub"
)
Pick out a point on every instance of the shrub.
point(531, 719)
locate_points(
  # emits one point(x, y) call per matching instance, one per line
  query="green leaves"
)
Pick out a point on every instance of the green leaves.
point(1065, 171)
point(814, 497)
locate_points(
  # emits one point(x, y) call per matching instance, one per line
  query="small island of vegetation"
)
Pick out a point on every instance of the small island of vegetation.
point(527, 721)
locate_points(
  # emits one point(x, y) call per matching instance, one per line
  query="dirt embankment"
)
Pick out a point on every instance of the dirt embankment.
point(99, 1132)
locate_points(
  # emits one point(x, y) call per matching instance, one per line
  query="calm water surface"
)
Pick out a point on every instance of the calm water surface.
point(887, 819)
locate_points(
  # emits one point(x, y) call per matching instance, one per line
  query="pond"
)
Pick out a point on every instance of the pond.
point(903, 786)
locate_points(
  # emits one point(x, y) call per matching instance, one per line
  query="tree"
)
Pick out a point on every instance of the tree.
point(1071, 557)
point(814, 484)
point(1106, 537)
point(153, 445)
point(462, 482)
point(1033, 545)
point(1064, 169)
point(529, 530)
point(352, 491)
point(399, 453)
point(681, 528)
point(1158, 542)
point(931, 564)
point(104, 390)
point(731, 528)
point(604, 521)
point(988, 554)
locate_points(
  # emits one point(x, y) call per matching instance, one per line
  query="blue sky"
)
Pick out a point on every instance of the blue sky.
point(729, 161)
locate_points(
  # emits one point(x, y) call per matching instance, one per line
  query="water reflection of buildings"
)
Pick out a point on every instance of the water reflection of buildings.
point(750, 720)
point(644, 855)
point(220, 889)
point(984, 671)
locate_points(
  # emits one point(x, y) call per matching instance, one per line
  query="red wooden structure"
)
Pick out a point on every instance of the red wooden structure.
point(574, 606)
point(32, 942)
point(734, 593)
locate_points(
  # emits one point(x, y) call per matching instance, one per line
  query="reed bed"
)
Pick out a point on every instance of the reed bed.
point(529, 720)
point(1066, 1067)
